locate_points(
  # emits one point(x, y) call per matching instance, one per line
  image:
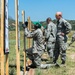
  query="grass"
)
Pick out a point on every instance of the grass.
point(70, 63)
point(68, 70)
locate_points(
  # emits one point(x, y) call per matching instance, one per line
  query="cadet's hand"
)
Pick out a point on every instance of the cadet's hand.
point(62, 34)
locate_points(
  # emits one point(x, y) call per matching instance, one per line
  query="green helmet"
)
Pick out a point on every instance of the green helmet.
point(37, 24)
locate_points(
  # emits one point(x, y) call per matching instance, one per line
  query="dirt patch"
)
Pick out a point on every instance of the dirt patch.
point(71, 71)
point(72, 56)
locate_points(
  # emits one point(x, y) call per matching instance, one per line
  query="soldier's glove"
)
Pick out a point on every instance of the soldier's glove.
point(24, 26)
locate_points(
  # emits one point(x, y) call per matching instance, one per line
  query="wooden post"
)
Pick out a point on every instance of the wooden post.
point(7, 65)
point(23, 20)
point(29, 27)
point(28, 38)
point(2, 37)
point(17, 48)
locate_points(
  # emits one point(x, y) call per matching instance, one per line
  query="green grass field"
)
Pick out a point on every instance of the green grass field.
point(68, 70)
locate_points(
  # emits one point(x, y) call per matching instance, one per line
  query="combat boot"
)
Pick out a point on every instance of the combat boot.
point(63, 64)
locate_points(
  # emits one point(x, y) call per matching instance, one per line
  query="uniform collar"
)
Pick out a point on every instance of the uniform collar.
point(49, 23)
point(60, 19)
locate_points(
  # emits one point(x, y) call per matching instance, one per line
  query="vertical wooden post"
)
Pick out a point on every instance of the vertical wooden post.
point(7, 65)
point(30, 30)
point(29, 27)
point(17, 48)
point(23, 20)
point(2, 37)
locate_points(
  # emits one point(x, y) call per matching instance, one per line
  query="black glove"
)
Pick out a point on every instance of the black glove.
point(25, 25)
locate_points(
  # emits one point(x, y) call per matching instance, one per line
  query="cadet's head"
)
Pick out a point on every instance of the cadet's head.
point(37, 25)
point(58, 15)
point(48, 20)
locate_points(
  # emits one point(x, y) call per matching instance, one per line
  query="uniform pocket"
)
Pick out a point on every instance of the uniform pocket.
point(64, 46)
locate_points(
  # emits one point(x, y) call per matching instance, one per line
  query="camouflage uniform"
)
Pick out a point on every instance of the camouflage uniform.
point(61, 40)
point(50, 35)
point(37, 49)
point(73, 39)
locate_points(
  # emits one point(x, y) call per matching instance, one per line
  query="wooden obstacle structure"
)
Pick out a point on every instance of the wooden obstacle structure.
point(29, 39)
point(4, 58)
point(17, 37)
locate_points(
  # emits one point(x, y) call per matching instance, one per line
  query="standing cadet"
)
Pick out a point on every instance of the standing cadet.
point(63, 28)
point(35, 53)
point(50, 35)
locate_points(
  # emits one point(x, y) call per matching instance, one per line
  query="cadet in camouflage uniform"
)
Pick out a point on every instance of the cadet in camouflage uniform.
point(50, 35)
point(35, 53)
point(63, 28)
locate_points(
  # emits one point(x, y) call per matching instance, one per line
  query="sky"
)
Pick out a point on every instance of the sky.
point(39, 10)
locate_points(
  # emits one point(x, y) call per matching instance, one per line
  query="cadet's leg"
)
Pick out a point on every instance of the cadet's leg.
point(50, 49)
point(56, 52)
point(29, 53)
point(63, 48)
point(50, 52)
point(37, 60)
point(63, 52)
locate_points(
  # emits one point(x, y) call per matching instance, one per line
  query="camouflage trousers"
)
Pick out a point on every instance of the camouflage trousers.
point(60, 48)
point(34, 57)
point(50, 49)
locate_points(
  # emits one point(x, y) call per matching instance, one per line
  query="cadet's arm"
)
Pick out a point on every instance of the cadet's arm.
point(47, 34)
point(29, 34)
point(68, 27)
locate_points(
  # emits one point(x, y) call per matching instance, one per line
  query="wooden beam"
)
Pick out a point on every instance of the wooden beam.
point(29, 27)
point(7, 65)
point(23, 20)
point(2, 37)
point(0, 60)
point(17, 48)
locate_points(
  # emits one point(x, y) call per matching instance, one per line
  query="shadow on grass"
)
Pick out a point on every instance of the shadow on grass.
point(14, 66)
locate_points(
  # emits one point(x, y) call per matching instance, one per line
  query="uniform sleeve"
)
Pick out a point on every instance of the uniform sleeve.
point(29, 34)
point(47, 34)
point(53, 30)
point(68, 27)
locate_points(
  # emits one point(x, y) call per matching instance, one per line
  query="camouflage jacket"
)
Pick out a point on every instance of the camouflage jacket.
point(50, 32)
point(37, 36)
point(63, 27)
